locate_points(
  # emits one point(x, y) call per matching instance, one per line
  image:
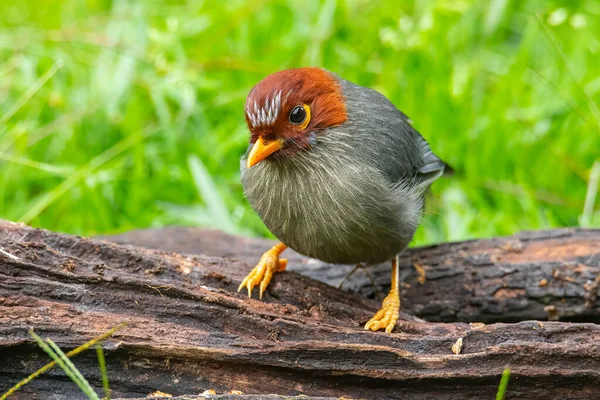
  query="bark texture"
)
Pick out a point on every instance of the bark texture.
point(540, 275)
point(188, 330)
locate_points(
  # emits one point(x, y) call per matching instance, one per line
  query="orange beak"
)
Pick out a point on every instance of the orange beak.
point(262, 150)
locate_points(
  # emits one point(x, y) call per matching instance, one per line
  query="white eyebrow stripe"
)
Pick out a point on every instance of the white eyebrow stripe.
point(273, 107)
point(268, 113)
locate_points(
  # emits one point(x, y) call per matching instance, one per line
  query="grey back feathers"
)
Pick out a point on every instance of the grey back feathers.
point(355, 196)
point(390, 132)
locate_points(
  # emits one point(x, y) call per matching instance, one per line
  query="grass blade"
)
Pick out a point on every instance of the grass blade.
point(29, 93)
point(60, 362)
point(503, 384)
point(210, 194)
point(72, 353)
point(49, 168)
point(83, 384)
point(590, 196)
point(102, 364)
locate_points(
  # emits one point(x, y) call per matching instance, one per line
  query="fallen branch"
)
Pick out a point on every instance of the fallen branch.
point(532, 275)
point(188, 331)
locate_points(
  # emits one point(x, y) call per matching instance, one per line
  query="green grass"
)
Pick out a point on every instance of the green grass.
point(503, 384)
point(66, 365)
point(119, 115)
point(62, 360)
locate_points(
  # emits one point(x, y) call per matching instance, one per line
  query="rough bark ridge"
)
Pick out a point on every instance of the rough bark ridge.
point(532, 275)
point(189, 331)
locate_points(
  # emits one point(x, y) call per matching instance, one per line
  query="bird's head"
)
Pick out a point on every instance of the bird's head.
point(287, 109)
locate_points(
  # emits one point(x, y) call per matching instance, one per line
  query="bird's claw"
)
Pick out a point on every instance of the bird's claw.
point(263, 272)
point(387, 316)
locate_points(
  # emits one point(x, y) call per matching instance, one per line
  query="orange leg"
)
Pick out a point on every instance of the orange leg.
point(263, 272)
point(387, 316)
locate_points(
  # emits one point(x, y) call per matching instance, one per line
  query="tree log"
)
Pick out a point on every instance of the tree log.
point(188, 330)
point(532, 275)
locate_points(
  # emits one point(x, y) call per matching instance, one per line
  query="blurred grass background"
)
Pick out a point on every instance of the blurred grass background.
point(117, 115)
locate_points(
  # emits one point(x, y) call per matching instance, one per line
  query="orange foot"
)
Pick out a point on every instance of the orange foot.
point(263, 272)
point(387, 316)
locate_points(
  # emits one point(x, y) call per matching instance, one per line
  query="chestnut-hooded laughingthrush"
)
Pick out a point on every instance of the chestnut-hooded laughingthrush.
point(336, 172)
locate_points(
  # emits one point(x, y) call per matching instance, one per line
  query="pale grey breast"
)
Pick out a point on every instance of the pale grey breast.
point(326, 204)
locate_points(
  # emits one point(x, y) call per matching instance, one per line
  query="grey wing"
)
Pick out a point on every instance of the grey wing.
point(427, 166)
point(433, 167)
point(415, 163)
point(420, 165)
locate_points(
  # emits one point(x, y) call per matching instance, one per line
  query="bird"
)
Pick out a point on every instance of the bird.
point(337, 173)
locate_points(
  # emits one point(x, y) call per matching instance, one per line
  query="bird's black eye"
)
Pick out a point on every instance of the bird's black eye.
point(298, 115)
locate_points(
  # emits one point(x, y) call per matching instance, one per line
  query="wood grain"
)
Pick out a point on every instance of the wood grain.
point(188, 331)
